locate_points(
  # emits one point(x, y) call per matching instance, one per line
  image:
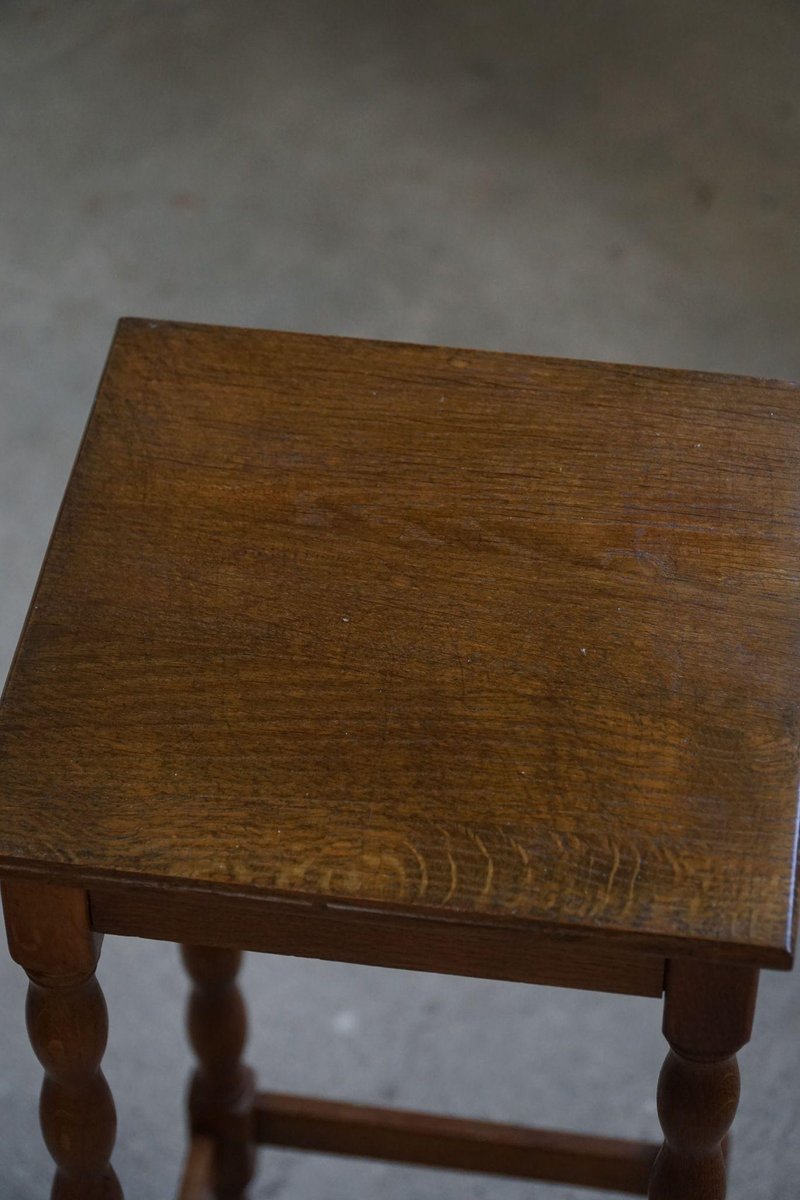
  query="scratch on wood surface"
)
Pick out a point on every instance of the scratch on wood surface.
point(635, 873)
point(524, 887)
point(453, 865)
point(612, 875)
point(487, 887)
point(423, 869)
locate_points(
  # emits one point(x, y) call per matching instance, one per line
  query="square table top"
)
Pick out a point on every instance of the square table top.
point(484, 636)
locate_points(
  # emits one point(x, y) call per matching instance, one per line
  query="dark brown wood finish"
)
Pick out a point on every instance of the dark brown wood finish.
point(382, 939)
point(222, 1087)
point(50, 937)
point(198, 1169)
point(708, 1017)
point(416, 657)
point(455, 1143)
point(452, 632)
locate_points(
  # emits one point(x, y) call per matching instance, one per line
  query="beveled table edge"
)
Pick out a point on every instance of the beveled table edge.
point(156, 325)
point(576, 935)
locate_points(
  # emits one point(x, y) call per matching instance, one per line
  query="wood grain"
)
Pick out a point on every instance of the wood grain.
point(454, 632)
point(378, 939)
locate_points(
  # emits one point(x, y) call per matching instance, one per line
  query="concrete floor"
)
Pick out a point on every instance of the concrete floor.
point(617, 181)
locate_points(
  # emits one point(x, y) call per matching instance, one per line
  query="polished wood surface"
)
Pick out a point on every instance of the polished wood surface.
point(50, 937)
point(455, 1143)
point(708, 1017)
point(449, 632)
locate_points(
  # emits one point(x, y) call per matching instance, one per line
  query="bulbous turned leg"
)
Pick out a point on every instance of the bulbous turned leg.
point(222, 1087)
point(50, 937)
point(708, 1017)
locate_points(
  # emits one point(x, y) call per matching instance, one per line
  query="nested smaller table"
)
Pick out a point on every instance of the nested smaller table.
point(423, 658)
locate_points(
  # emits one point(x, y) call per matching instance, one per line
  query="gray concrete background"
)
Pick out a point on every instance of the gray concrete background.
point(615, 180)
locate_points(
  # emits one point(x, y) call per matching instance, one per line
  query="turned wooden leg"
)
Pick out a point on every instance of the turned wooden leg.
point(49, 935)
point(708, 1016)
point(222, 1087)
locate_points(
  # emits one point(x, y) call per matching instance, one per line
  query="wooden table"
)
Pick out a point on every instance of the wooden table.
point(424, 658)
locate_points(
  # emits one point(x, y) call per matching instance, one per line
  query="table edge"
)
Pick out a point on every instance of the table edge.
point(771, 956)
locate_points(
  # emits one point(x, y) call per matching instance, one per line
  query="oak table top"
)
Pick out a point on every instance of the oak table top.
point(494, 638)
